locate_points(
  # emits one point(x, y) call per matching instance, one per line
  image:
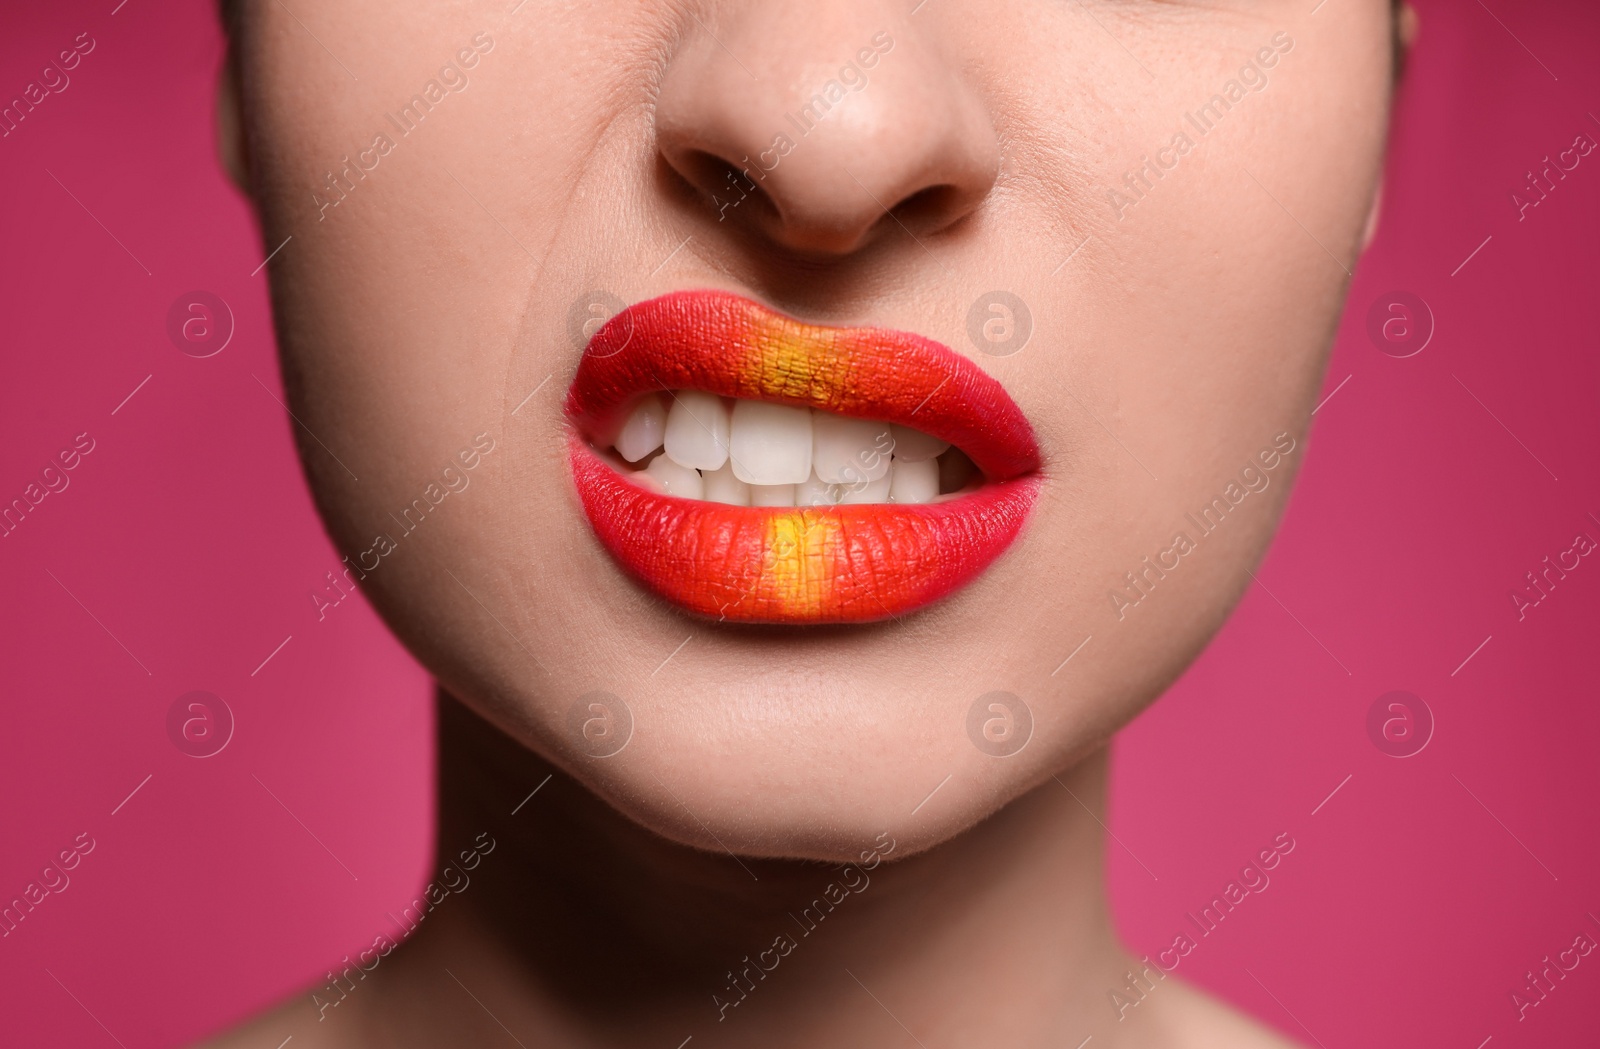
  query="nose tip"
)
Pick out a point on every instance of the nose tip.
point(818, 134)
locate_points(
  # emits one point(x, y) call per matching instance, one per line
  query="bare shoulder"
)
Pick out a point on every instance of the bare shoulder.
point(1184, 1017)
point(290, 1019)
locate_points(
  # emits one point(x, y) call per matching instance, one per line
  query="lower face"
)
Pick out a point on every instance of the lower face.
point(795, 513)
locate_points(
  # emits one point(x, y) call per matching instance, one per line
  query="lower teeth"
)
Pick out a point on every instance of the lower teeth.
point(924, 482)
point(715, 451)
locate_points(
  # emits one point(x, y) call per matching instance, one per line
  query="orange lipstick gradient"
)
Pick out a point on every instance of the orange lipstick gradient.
point(798, 565)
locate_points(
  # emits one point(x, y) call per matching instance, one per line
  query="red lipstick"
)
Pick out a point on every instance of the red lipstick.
point(805, 564)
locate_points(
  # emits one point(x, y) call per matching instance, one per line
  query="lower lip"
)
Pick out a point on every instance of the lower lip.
point(822, 564)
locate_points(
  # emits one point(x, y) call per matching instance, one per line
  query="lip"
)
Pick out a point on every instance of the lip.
point(798, 565)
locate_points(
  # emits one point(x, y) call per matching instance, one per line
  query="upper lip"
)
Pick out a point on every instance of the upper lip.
point(728, 345)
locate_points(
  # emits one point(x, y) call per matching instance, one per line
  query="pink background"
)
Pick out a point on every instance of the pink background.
point(182, 552)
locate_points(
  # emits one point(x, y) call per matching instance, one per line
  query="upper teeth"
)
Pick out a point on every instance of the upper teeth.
point(756, 453)
point(849, 451)
point(770, 443)
point(642, 433)
point(697, 430)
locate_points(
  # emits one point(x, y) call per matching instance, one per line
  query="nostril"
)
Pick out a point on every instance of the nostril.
point(702, 170)
point(931, 208)
point(726, 188)
point(734, 193)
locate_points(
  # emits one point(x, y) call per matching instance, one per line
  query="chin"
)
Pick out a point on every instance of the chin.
point(829, 805)
point(764, 751)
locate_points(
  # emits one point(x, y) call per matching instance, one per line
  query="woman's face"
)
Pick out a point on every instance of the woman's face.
point(1099, 246)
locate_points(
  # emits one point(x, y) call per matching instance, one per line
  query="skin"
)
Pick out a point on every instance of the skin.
point(422, 309)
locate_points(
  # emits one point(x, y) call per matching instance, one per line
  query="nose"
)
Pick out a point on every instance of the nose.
point(821, 125)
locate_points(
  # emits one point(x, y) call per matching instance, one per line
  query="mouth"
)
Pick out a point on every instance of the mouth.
point(748, 467)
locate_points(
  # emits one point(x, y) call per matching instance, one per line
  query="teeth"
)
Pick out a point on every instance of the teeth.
point(815, 492)
point(642, 433)
point(770, 444)
point(772, 495)
point(723, 487)
point(693, 446)
point(675, 479)
point(914, 446)
point(866, 491)
point(846, 451)
point(914, 482)
point(955, 470)
point(697, 430)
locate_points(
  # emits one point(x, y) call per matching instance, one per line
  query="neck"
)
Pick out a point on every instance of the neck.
point(580, 928)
